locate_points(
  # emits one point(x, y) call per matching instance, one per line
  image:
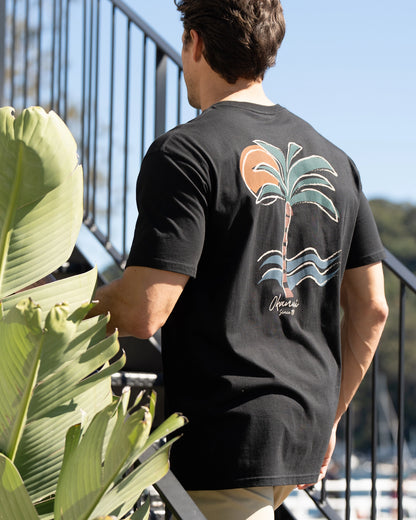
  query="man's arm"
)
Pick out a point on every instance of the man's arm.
point(365, 314)
point(140, 301)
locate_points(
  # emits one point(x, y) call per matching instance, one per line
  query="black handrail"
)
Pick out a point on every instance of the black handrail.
point(118, 84)
point(162, 44)
point(400, 270)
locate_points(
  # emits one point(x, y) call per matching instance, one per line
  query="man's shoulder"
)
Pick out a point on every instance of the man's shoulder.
point(237, 122)
point(177, 136)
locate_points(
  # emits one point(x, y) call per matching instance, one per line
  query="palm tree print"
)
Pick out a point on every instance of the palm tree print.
point(271, 176)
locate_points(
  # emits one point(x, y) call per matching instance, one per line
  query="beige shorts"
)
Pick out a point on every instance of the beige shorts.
point(256, 503)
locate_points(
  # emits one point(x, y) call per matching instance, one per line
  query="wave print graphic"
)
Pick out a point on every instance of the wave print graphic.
point(306, 264)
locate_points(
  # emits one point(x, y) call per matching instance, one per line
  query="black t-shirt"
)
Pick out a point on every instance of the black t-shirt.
point(264, 215)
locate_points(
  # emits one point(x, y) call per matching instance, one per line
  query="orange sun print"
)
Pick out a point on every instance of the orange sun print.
point(255, 179)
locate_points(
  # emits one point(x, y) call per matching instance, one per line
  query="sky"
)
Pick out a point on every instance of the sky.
point(349, 69)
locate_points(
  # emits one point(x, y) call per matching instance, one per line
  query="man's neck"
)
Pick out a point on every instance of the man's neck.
point(243, 91)
point(251, 93)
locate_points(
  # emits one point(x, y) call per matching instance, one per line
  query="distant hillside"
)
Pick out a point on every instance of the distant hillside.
point(397, 227)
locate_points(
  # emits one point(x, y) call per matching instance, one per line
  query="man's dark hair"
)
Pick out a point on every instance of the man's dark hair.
point(241, 37)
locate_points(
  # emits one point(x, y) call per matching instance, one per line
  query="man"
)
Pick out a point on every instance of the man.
point(251, 230)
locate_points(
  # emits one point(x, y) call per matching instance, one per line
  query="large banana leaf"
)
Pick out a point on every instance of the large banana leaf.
point(14, 499)
point(91, 466)
point(21, 344)
point(143, 512)
point(55, 364)
point(52, 376)
point(121, 498)
point(74, 291)
point(40, 197)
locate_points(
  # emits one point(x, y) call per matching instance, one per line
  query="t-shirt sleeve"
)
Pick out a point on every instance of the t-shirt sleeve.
point(366, 246)
point(171, 200)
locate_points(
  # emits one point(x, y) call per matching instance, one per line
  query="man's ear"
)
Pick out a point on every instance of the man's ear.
point(197, 45)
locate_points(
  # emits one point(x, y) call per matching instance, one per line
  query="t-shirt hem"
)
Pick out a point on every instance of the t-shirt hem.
point(289, 480)
point(166, 265)
point(367, 260)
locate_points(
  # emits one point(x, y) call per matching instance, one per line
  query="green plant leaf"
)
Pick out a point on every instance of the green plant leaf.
point(45, 509)
point(40, 199)
point(41, 450)
point(58, 418)
point(170, 425)
point(122, 497)
point(142, 512)
point(80, 480)
point(74, 290)
point(21, 341)
point(92, 464)
point(126, 443)
point(72, 350)
point(85, 477)
point(73, 385)
point(14, 499)
point(71, 378)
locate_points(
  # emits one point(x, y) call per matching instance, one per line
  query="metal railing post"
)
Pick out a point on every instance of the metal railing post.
point(400, 433)
point(374, 435)
point(2, 49)
point(160, 98)
point(348, 457)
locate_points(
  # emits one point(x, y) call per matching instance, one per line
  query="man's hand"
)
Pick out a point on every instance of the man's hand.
point(140, 301)
point(326, 461)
